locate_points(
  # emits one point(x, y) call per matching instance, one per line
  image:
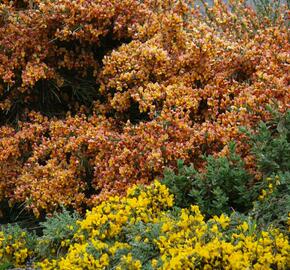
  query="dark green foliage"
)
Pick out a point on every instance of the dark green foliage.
point(271, 146)
point(180, 184)
point(275, 207)
point(222, 188)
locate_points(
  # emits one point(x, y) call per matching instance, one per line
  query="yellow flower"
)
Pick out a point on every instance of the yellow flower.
point(223, 220)
point(244, 227)
point(154, 263)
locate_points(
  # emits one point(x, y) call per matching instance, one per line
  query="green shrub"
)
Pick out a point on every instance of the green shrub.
point(270, 143)
point(273, 207)
point(271, 146)
point(222, 188)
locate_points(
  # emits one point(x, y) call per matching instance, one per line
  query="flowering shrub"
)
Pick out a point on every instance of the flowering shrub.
point(80, 155)
point(165, 56)
point(142, 231)
point(85, 159)
point(44, 44)
point(185, 81)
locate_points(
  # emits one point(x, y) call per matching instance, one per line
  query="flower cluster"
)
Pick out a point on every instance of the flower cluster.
point(182, 245)
point(35, 37)
point(66, 162)
point(106, 222)
point(15, 246)
point(140, 231)
point(178, 61)
point(272, 183)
